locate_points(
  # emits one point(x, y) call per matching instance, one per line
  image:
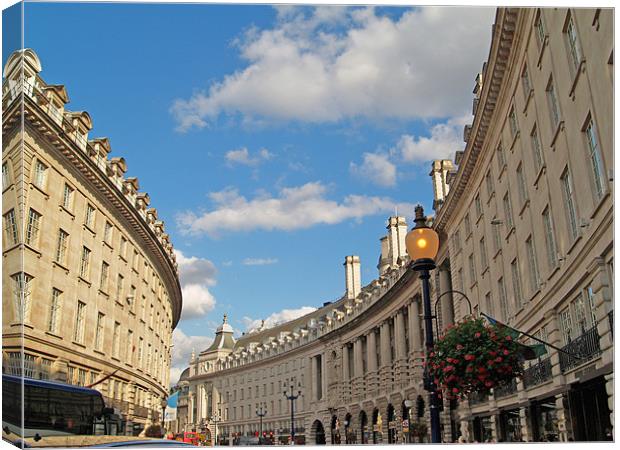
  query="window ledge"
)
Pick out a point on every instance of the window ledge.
point(87, 227)
point(80, 277)
point(501, 171)
point(7, 188)
point(52, 334)
point(79, 344)
point(40, 189)
point(104, 293)
point(528, 97)
point(512, 230)
point(107, 244)
point(554, 269)
point(473, 285)
point(524, 206)
point(61, 266)
point(541, 171)
point(542, 51)
point(116, 358)
point(599, 204)
point(63, 208)
point(559, 127)
point(497, 253)
point(514, 140)
point(12, 247)
point(574, 243)
point(486, 269)
point(32, 249)
point(490, 197)
point(119, 303)
point(122, 257)
point(479, 218)
point(99, 351)
point(581, 68)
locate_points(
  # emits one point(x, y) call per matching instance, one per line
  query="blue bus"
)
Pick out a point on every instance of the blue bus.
point(39, 408)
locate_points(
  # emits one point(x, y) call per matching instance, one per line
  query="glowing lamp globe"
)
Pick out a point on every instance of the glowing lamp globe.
point(422, 243)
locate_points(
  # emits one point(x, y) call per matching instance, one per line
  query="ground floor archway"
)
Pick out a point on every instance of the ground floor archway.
point(335, 429)
point(319, 432)
point(363, 427)
point(377, 424)
point(391, 418)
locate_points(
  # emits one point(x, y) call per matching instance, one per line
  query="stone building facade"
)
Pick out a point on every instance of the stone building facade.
point(90, 282)
point(355, 365)
point(525, 218)
point(527, 225)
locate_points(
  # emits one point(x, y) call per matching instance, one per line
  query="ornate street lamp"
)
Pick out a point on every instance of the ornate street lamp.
point(422, 246)
point(163, 404)
point(261, 412)
point(291, 397)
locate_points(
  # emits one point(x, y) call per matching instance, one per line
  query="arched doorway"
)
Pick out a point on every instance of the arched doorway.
point(319, 432)
point(349, 433)
point(391, 417)
point(364, 427)
point(406, 409)
point(335, 430)
point(377, 423)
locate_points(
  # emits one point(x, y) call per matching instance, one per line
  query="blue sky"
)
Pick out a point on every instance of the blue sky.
point(272, 141)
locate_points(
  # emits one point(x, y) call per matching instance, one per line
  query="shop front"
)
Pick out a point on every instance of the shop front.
point(510, 426)
point(589, 411)
point(544, 420)
point(483, 431)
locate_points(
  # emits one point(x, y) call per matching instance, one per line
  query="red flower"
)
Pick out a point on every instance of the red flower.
point(448, 369)
point(508, 338)
point(506, 352)
point(455, 390)
point(492, 353)
point(488, 383)
point(477, 334)
point(459, 347)
point(469, 369)
point(469, 357)
point(482, 369)
point(499, 359)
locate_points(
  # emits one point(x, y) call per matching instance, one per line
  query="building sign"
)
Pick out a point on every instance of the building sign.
point(405, 426)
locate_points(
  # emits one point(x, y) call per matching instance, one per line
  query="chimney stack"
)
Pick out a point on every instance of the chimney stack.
point(397, 231)
point(353, 276)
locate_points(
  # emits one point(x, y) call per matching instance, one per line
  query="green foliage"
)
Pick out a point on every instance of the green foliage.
point(474, 357)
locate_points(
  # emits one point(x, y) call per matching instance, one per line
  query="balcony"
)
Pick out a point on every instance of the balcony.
point(537, 374)
point(583, 349)
point(477, 398)
point(506, 389)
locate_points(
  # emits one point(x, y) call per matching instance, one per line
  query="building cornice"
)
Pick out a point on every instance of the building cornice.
point(36, 117)
point(493, 77)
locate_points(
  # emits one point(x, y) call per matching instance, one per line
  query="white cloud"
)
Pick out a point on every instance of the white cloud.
point(293, 208)
point(259, 261)
point(376, 168)
point(277, 318)
point(182, 351)
point(242, 156)
point(196, 275)
point(309, 68)
point(444, 140)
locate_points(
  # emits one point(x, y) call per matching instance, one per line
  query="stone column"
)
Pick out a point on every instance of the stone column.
point(346, 375)
point(447, 302)
point(563, 415)
point(371, 357)
point(495, 431)
point(314, 378)
point(400, 365)
point(526, 433)
point(415, 341)
point(358, 367)
point(609, 387)
point(385, 371)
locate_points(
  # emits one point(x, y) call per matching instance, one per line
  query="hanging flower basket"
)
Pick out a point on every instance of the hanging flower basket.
point(473, 356)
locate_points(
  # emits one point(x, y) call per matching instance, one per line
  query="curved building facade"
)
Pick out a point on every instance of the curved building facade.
point(90, 282)
point(525, 218)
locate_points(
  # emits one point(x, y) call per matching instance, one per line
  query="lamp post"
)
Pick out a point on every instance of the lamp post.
point(163, 404)
point(422, 246)
point(261, 412)
point(215, 417)
point(292, 397)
